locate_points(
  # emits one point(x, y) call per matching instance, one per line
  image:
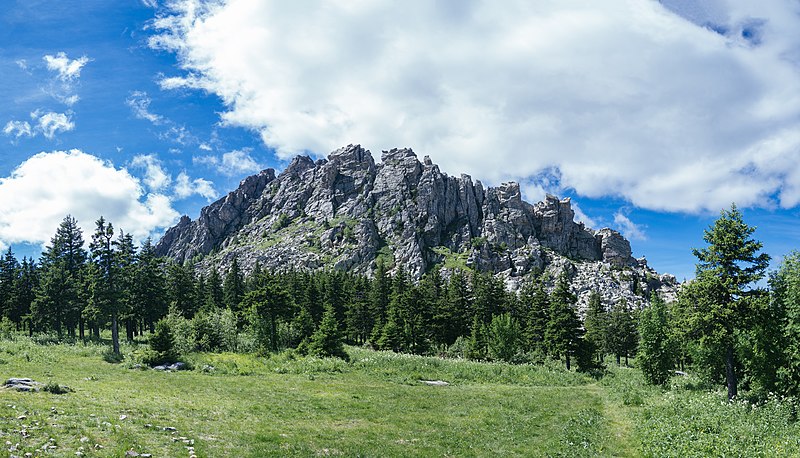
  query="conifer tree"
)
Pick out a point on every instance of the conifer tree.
point(655, 355)
point(105, 289)
point(622, 334)
point(727, 270)
point(58, 296)
point(536, 312)
point(233, 289)
point(326, 341)
point(596, 325)
point(149, 293)
point(564, 332)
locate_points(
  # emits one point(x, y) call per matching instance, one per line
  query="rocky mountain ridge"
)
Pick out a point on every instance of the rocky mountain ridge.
point(348, 212)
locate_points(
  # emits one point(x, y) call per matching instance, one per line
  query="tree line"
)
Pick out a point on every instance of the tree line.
point(726, 325)
point(75, 293)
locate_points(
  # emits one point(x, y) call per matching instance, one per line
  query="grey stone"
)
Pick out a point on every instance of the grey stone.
point(348, 211)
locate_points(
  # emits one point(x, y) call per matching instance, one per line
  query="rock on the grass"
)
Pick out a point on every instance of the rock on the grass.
point(22, 384)
point(179, 366)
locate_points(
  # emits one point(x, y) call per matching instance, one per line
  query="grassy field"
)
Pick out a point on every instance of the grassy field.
point(374, 405)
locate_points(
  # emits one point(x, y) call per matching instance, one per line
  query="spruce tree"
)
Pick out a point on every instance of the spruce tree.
point(535, 304)
point(596, 325)
point(105, 290)
point(564, 332)
point(326, 341)
point(622, 336)
point(727, 271)
point(233, 289)
point(655, 356)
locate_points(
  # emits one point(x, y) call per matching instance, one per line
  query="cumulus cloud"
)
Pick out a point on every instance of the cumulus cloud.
point(669, 109)
point(628, 228)
point(186, 187)
point(582, 217)
point(45, 123)
point(150, 3)
point(139, 104)
point(18, 129)
point(232, 163)
point(67, 69)
point(37, 195)
point(51, 123)
point(155, 177)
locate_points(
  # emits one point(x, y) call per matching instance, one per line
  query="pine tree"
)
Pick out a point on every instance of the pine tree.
point(233, 290)
point(149, 293)
point(105, 291)
point(622, 336)
point(564, 334)
point(58, 300)
point(326, 341)
point(9, 272)
point(655, 356)
point(266, 306)
point(596, 325)
point(214, 296)
point(727, 269)
point(536, 312)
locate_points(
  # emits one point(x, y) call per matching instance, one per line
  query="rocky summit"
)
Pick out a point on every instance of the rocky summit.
point(348, 212)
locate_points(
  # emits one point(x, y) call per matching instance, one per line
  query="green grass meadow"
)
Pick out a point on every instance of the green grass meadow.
point(374, 405)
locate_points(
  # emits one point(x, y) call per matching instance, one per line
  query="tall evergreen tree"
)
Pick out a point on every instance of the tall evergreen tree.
point(214, 296)
point(655, 355)
point(9, 272)
point(535, 304)
point(149, 293)
point(727, 270)
point(267, 305)
point(125, 264)
point(596, 324)
point(622, 336)
point(233, 289)
point(106, 280)
point(182, 289)
point(564, 333)
point(58, 298)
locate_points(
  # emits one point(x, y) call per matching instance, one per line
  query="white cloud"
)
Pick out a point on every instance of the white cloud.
point(48, 124)
point(150, 3)
point(178, 134)
point(236, 162)
point(22, 64)
point(186, 187)
point(68, 100)
point(628, 228)
point(155, 177)
point(582, 217)
point(620, 98)
point(48, 186)
point(51, 123)
point(18, 129)
point(67, 69)
point(139, 103)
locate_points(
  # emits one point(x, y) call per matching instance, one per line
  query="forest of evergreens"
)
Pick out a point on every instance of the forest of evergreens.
point(723, 325)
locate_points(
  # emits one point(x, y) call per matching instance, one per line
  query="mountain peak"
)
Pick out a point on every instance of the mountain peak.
point(347, 212)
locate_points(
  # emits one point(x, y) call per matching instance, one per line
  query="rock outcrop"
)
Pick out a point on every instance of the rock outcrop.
point(349, 212)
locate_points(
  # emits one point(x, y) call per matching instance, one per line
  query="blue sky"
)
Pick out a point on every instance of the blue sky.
point(651, 116)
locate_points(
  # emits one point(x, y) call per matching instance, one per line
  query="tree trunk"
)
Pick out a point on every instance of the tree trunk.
point(568, 362)
point(129, 329)
point(618, 360)
point(730, 373)
point(81, 330)
point(114, 332)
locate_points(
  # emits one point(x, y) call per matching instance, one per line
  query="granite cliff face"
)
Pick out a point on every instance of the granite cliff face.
point(347, 212)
